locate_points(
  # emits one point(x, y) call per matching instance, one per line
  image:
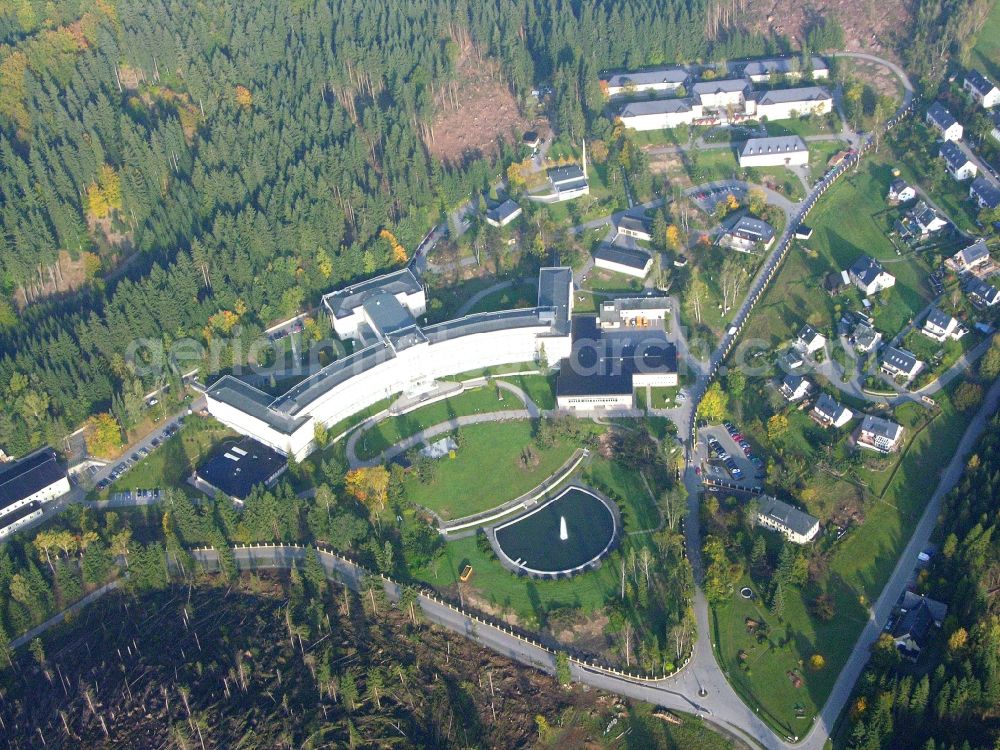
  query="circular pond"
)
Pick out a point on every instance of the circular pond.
point(563, 536)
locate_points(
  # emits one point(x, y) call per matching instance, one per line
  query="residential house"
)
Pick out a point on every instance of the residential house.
point(797, 526)
point(900, 192)
point(794, 388)
point(879, 434)
point(624, 260)
point(899, 363)
point(792, 359)
point(827, 412)
point(984, 193)
point(939, 117)
point(939, 325)
point(785, 104)
point(503, 214)
point(803, 232)
point(26, 485)
point(917, 618)
point(660, 114)
point(810, 339)
point(869, 276)
point(635, 227)
point(663, 80)
point(568, 182)
point(920, 222)
point(760, 71)
point(980, 293)
point(982, 89)
point(780, 151)
point(960, 166)
point(722, 94)
point(969, 258)
point(748, 235)
point(865, 338)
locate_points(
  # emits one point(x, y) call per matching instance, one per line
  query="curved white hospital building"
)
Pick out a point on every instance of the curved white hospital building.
point(396, 356)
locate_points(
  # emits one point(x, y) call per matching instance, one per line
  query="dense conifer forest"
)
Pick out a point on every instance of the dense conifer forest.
point(206, 168)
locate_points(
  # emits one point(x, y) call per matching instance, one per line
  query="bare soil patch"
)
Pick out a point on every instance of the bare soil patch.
point(869, 25)
point(474, 112)
point(65, 275)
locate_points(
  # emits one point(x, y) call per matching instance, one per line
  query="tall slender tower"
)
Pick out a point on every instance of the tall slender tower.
point(585, 158)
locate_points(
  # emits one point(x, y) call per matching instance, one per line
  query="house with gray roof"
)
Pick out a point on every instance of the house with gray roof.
point(877, 434)
point(636, 227)
point(721, 94)
point(984, 193)
point(969, 258)
point(748, 235)
point(980, 293)
point(869, 276)
point(796, 525)
point(917, 618)
point(661, 80)
point(939, 325)
point(827, 412)
point(940, 118)
point(960, 166)
point(899, 363)
point(794, 388)
point(777, 151)
point(982, 89)
point(503, 214)
point(785, 104)
point(660, 114)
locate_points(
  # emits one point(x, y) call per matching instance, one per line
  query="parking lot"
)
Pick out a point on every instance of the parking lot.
point(732, 463)
point(121, 468)
point(708, 198)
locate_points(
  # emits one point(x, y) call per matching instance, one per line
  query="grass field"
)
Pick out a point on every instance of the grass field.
point(524, 294)
point(531, 600)
point(603, 280)
point(803, 126)
point(170, 464)
point(986, 53)
point(486, 470)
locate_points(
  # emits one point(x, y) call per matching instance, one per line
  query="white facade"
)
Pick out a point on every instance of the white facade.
point(790, 103)
point(346, 325)
point(722, 94)
point(941, 326)
point(29, 483)
point(592, 402)
point(655, 379)
point(665, 80)
point(622, 268)
point(660, 115)
point(781, 151)
point(20, 523)
point(877, 434)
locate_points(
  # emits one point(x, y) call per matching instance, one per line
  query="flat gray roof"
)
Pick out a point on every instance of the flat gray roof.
point(555, 287)
point(386, 313)
point(802, 94)
point(625, 256)
point(335, 373)
point(344, 301)
point(243, 396)
point(657, 107)
point(485, 322)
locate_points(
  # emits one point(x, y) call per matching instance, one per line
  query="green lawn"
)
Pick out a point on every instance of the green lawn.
point(603, 280)
point(540, 388)
point(709, 165)
point(528, 599)
point(175, 459)
point(524, 294)
point(986, 53)
point(803, 126)
point(486, 470)
point(390, 431)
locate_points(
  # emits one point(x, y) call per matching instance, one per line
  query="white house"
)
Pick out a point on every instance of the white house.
point(794, 388)
point(625, 260)
point(960, 166)
point(570, 181)
point(722, 94)
point(982, 294)
point(635, 227)
point(900, 192)
point(748, 235)
point(969, 258)
point(982, 89)
point(26, 485)
point(865, 338)
point(503, 214)
point(984, 193)
point(879, 434)
point(760, 71)
point(829, 413)
point(898, 362)
point(780, 151)
point(797, 526)
point(869, 276)
point(939, 326)
point(785, 104)
point(662, 80)
point(404, 358)
point(939, 117)
point(810, 339)
point(660, 114)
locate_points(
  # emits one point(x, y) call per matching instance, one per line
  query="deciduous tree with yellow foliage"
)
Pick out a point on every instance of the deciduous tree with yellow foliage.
point(370, 485)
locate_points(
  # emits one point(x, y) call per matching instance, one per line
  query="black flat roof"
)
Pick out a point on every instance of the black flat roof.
point(34, 472)
point(601, 365)
point(236, 468)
